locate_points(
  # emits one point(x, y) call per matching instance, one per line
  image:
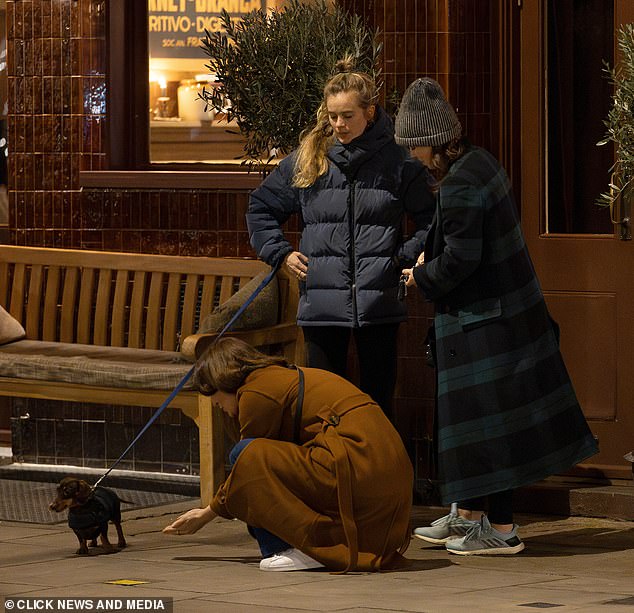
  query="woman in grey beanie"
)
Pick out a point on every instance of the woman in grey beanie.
point(506, 412)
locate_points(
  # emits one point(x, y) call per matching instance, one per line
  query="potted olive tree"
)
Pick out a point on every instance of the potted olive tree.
point(271, 68)
point(620, 131)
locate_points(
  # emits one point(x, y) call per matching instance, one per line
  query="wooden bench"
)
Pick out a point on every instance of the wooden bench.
point(120, 302)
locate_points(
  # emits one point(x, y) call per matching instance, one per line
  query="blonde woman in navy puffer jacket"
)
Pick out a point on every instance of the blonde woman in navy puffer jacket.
point(353, 186)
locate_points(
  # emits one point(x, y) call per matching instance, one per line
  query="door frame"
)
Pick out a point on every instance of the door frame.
point(552, 253)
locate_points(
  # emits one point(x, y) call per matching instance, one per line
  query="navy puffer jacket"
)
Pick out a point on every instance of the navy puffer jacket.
point(353, 220)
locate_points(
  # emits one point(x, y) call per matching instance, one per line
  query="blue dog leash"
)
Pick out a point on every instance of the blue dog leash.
point(192, 370)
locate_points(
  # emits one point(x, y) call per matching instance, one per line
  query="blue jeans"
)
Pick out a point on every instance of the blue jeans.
point(268, 542)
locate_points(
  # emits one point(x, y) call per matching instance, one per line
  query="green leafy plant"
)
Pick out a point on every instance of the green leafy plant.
point(272, 66)
point(620, 119)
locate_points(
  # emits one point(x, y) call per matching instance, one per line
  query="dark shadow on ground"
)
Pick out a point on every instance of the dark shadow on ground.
point(587, 541)
point(412, 566)
point(415, 566)
point(241, 559)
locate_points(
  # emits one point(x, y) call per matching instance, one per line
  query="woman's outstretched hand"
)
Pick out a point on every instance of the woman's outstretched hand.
point(190, 522)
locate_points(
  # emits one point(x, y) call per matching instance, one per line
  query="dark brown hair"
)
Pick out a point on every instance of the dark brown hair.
point(228, 362)
point(443, 156)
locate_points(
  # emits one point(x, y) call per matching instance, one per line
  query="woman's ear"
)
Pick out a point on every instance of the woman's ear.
point(370, 112)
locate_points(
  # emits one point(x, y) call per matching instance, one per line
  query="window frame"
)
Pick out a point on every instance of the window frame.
point(127, 124)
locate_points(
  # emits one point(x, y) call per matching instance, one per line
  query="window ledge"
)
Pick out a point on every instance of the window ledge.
point(170, 179)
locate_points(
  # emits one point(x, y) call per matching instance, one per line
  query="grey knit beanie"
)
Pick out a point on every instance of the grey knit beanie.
point(425, 118)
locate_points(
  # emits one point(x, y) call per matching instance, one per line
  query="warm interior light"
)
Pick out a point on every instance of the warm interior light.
point(159, 78)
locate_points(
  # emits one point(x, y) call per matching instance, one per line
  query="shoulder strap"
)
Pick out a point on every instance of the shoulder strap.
point(300, 403)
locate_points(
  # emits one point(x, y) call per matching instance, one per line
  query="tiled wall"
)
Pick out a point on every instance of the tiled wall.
point(170, 222)
point(56, 54)
point(449, 40)
point(94, 436)
point(57, 116)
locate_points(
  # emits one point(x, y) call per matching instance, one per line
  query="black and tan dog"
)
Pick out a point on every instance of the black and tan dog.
point(89, 511)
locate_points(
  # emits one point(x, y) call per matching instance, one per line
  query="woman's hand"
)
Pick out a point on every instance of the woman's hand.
point(409, 272)
point(297, 263)
point(190, 522)
point(410, 281)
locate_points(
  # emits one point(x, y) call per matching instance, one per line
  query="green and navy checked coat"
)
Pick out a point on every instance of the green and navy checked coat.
point(507, 414)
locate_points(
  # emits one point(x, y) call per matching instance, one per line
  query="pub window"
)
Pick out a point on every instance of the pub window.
point(155, 70)
point(181, 130)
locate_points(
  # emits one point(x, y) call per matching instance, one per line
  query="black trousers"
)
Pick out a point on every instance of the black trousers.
point(327, 348)
point(498, 506)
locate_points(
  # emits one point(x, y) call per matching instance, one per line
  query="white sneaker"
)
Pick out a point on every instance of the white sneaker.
point(289, 559)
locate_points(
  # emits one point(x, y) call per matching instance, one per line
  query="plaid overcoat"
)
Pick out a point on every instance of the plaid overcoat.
point(507, 414)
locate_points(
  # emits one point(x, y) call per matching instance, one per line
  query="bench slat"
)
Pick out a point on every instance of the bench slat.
point(131, 261)
point(226, 289)
point(172, 311)
point(84, 311)
point(119, 310)
point(68, 320)
point(4, 283)
point(16, 306)
point(73, 392)
point(153, 322)
point(243, 281)
point(207, 298)
point(190, 301)
point(51, 296)
point(136, 309)
point(34, 306)
point(102, 307)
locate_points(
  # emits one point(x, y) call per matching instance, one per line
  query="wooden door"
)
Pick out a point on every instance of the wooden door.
point(583, 264)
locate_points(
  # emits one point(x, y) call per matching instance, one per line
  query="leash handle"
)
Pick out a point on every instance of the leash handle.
point(192, 370)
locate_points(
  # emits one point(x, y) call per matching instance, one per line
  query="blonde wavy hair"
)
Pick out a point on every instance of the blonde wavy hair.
point(311, 161)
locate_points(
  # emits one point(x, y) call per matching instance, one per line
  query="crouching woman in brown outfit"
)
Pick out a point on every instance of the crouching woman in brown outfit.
point(327, 485)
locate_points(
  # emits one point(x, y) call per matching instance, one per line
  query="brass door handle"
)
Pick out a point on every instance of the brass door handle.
point(621, 209)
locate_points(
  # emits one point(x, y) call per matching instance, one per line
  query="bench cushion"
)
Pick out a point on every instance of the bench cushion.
point(93, 365)
point(261, 313)
point(10, 328)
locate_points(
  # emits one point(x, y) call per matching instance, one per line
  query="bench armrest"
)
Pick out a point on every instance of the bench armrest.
point(281, 334)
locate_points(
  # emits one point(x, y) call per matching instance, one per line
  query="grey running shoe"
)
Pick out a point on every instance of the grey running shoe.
point(482, 539)
point(449, 527)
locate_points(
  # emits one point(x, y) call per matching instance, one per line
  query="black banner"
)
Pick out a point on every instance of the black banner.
point(175, 27)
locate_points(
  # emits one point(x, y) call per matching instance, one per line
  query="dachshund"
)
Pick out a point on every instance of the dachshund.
point(89, 511)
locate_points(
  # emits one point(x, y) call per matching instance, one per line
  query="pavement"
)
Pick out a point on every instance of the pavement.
point(570, 563)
